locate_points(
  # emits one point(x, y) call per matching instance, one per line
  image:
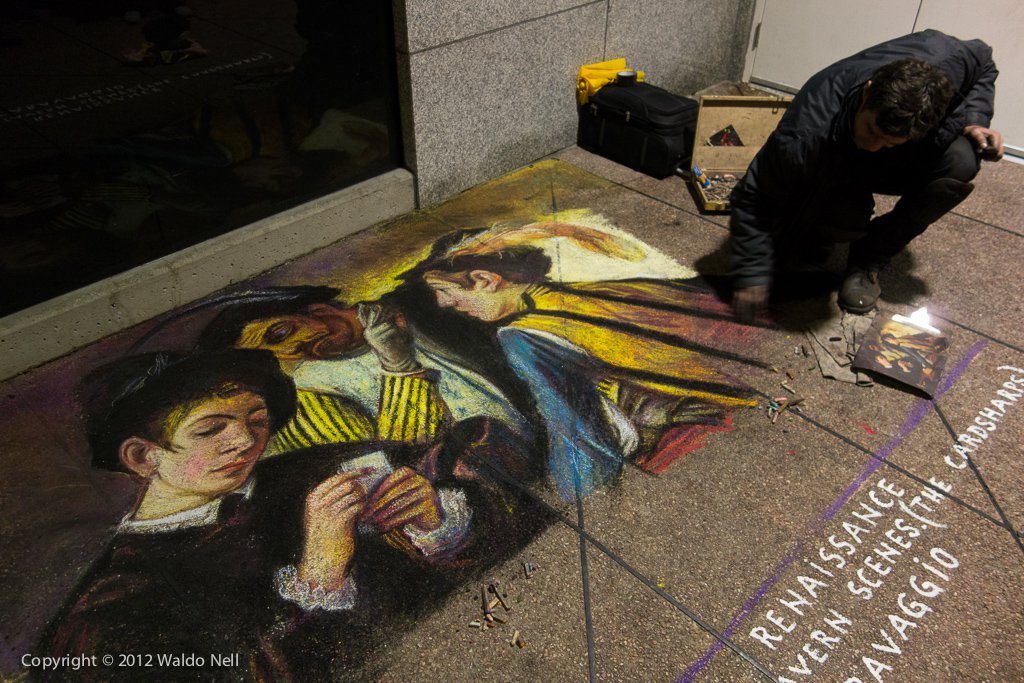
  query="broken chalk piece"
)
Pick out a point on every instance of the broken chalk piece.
point(492, 604)
point(797, 400)
point(515, 639)
point(475, 624)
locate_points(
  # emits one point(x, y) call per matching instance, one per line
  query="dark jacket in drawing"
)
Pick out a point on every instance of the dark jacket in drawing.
point(812, 149)
point(211, 588)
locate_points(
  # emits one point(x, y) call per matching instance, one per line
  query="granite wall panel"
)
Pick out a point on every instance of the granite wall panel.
point(437, 22)
point(683, 45)
point(488, 86)
point(480, 107)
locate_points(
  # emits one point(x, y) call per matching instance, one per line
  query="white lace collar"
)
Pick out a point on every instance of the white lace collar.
point(204, 515)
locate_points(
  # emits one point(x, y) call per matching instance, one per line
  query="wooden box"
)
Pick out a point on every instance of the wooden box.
point(753, 118)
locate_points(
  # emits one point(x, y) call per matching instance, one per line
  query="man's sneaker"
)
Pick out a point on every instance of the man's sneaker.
point(860, 291)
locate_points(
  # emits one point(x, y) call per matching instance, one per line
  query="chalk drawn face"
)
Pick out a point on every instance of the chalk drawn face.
point(215, 446)
point(868, 136)
point(488, 297)
point(322, 332)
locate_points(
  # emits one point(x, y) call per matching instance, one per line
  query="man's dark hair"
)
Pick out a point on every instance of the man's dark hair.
point(522, 265)
point(909, 97)
point(134, 396)
point(224, 330)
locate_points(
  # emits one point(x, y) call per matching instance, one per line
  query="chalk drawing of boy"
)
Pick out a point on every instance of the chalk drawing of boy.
point(267, 563)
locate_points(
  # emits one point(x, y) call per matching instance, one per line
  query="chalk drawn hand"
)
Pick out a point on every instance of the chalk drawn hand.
point(404, 498)
point(332, 509)
point(388, 338)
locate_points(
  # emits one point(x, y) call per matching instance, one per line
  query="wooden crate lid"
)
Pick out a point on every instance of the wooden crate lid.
point(753, 116)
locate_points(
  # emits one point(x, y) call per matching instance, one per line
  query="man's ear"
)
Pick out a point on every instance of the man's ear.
point(486, 281)
point(139, 456)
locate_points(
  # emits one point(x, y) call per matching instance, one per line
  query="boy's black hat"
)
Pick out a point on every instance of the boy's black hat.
point(123, 398)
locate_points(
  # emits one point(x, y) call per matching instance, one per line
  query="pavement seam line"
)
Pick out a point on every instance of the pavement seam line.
point(913, 420)
point(987, 224)
point(981, 480)
point(588, 618)
point(979, 333)
point(652, 585)
point(927, 484)
point(584, 535)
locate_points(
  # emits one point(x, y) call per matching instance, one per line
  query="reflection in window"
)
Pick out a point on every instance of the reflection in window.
point(133, 128)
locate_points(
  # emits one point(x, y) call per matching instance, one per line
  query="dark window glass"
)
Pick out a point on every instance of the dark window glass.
point(133, 128)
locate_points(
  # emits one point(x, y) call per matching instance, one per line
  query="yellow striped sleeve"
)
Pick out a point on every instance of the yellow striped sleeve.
point(609, 388)
point(323, 419)
point(411, 409)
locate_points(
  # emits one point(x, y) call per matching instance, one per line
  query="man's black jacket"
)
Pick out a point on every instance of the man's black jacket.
point(812, 147)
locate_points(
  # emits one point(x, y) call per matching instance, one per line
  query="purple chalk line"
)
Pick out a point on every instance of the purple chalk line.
point(917, 414)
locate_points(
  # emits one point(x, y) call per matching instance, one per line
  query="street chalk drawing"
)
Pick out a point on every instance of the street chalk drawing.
point(313, 459)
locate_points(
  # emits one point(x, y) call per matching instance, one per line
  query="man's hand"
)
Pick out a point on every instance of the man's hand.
point(404, 497)
point(750, 302)
point(332, 509)
point(988, 141)
point(391, 343)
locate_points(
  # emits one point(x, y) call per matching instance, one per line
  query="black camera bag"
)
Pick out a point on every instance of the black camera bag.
point(641, 126)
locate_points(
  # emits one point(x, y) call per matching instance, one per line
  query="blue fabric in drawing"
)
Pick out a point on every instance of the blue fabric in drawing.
point(584, 452)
